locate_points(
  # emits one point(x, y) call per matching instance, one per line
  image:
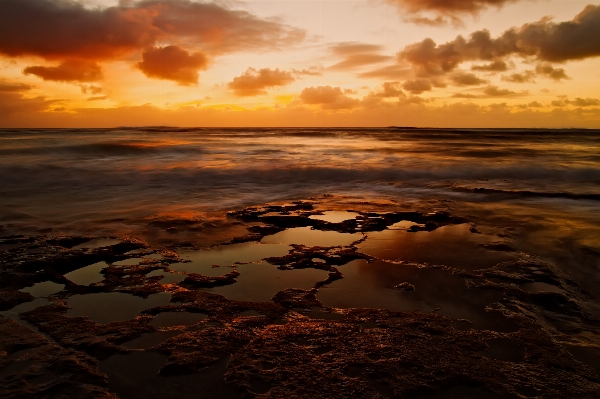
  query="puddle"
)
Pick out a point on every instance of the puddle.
point(453, 246)
point(465, 392)
point(135, 376)
point(168, 278)
point(371, 285)
point(250, 313)
point(169, 319)
point(151, 340)
point(25, 307)
point(540, 287)
point(45, 289)
point(312, 238)
point(202, 261)
point(97, 243)
point(87, 275)
point(259, 282)
point(113, 306)
point(586, 354)
point(128, 262)
point(335, 216)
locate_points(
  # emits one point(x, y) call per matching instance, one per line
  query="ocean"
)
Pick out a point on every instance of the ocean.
point(497, 208)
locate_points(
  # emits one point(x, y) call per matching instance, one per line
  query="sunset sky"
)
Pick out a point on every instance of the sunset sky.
point(442, 63)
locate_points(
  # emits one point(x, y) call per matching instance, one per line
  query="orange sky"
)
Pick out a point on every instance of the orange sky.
point(454, 63)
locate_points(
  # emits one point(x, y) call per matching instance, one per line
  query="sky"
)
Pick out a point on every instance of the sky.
point(295, 63)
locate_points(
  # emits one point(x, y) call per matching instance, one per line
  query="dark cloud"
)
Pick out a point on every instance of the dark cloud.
point(584, 102)
point(14, 102)
point(62, 29)
point(444, 11)
point(253, 82)
point(172, 63)
point(524, 77)
point(68, 71)
point(417, 86)
point(494, 91)
point(544, 40)
point(496, 66)
point(534, 104)
point(578, 102)
point(551, 72)
point(466, 79)
point(13, 87)
point(328, 97)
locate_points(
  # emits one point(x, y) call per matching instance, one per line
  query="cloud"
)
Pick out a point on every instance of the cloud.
point(551, 72)
point(391, 89)
point(13, 87)
point(525, 77)
point(328, 97)
point(91, 89)
point(387, 72)
point(13, 102)
point(357, 54)
point(584, 102)
point(496, 66)
point(312, 71)
point(68, 71)
point(63, 29)
point(578, 102)
point(417, 86)
point(97, 98)
point(444, 11)
point(494, 91)
point(351, 48)
point(172, 63)
point(253, 82)
point(357, 60)
point(543, 41)
point(466, 79)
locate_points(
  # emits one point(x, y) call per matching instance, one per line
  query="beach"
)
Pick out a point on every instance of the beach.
point(389, 262)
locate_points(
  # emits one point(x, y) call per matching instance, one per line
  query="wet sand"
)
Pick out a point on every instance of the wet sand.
point(329, 297)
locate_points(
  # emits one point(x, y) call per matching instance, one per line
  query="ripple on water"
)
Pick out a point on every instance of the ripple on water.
point(452, 245)
point(107, 307)
point(312, 238)
point(97, 243)
point(335, 216)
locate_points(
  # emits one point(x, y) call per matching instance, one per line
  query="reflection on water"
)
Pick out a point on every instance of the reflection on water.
point(540, 287)
point(168, 278)
point(169, 319)
point(452, 245)
point(202, 261)
point(87, 275)
point(312, 238)
point(97, 243)
point(135, 375)
point(150, 340)
point(371, 285)
point(113, 306)
point(259, 282)
point(335, 216)
point(44, 289)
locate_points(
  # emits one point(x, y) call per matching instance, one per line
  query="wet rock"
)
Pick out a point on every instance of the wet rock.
point(405, 287)
point(11, 298)
point(33, 367)
point(334, 274)
point(201, 281)
point(297, 298)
